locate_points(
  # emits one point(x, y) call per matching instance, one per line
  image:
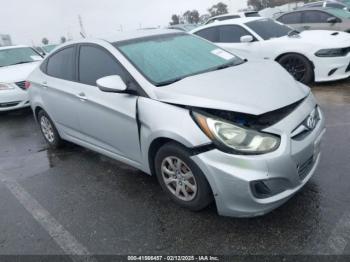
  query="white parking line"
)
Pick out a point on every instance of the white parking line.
point(59, 234)
point(340, 235)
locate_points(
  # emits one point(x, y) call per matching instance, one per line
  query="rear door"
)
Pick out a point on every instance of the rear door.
point(107, 120)
point(59, 92)
point(317, 20)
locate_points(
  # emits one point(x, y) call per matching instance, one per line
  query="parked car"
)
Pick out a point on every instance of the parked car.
point(194, 117)
point(324, 4)
point(183, 27)
point(232, 16)
point(308, 56)
point(317, 18)
point(16, 62)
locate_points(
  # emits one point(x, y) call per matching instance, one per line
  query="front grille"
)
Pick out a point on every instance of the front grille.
point(21, 85)
point(305, 131)
point(10, 104)
point(305, 168)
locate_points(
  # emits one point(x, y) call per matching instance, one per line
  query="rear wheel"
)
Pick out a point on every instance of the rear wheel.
point(181, 178)
point(298, 66)
point(49, 130)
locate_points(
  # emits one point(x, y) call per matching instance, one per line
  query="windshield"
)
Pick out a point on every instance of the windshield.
point(164, 59)
point(268, 28)
point(15, 56)
point(48, 48)
point(340, 13)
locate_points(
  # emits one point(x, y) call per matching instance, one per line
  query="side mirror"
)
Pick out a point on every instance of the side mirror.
point(247, 39)
point(111, 84)
point(332, 20)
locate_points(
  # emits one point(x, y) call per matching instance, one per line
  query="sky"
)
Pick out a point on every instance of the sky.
point(28, 21)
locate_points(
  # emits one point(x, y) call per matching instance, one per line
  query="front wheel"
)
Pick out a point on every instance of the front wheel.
point(181, 178)
point(49, 130)
point(298, 66)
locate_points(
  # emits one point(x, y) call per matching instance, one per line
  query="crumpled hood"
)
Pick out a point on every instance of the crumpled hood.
point(255, 87)
point(329, 39)
point(15, 73)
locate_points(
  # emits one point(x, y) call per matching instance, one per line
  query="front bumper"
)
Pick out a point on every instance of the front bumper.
point(331, 68)
point(13, 99)
point(231, 176)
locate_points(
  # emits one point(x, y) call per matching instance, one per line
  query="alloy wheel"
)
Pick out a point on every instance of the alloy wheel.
point(47, 129)
point(296, 67)
point(179, 178)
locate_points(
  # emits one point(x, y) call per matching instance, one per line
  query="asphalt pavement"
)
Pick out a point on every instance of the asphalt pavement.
point(74, 201)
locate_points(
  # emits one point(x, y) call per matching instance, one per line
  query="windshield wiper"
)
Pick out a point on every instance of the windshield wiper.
point(22, 62)
point(169, 82)
point(293, 33)
point(230, 64)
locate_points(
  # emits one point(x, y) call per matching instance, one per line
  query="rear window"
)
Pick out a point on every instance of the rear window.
point(62, 64)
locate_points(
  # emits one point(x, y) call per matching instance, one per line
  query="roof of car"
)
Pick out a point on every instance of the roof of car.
point(230, 14)
point(308, 9)
point(12, 47)
point(235, 21)
point(122, 36)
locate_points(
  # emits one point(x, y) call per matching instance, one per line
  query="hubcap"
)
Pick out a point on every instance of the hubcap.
point(47, 129)
point(179, 178)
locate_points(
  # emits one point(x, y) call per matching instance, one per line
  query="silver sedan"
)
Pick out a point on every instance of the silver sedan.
point(208, 124)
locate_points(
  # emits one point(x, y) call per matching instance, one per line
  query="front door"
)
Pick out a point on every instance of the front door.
point(107, 120)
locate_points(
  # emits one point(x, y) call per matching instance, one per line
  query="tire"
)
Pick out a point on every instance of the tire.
point(49, 130)
point(298, 66)
point(188, 177)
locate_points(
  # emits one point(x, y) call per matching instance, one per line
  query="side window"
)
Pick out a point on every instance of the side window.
point(95, 63)
point(336, 5)
point(315, 17)
point(62, 64)
point(231, 33)
point(211, 34)
point(292, 18)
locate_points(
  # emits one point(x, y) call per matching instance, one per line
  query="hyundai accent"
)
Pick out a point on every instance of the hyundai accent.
point(208, 124)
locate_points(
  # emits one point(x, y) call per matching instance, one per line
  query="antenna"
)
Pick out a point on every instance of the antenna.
point(82, 29)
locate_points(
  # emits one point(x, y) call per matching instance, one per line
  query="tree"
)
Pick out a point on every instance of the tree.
point(175, 20)
point(63, 39)
point(45, 41)
point(191, 17)
point(261, 4)
point(218, 9)
point(203, 18)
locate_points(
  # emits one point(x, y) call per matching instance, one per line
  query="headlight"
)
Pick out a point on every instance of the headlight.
point(336, 52)
point(236, 139)
point(4, 86)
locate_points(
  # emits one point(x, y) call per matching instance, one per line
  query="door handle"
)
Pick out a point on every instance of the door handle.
point(82, 96)
point(306, 27)
point(44, 84)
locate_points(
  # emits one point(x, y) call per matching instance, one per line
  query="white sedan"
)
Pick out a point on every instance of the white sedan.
point(317, 55)
point(16, 63)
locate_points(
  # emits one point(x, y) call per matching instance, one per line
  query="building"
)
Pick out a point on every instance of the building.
point(5, 40)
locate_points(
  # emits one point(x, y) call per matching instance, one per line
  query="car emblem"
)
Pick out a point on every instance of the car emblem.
point(311, 121)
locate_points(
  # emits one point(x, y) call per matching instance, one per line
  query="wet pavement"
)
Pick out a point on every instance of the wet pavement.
point(110, 208)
